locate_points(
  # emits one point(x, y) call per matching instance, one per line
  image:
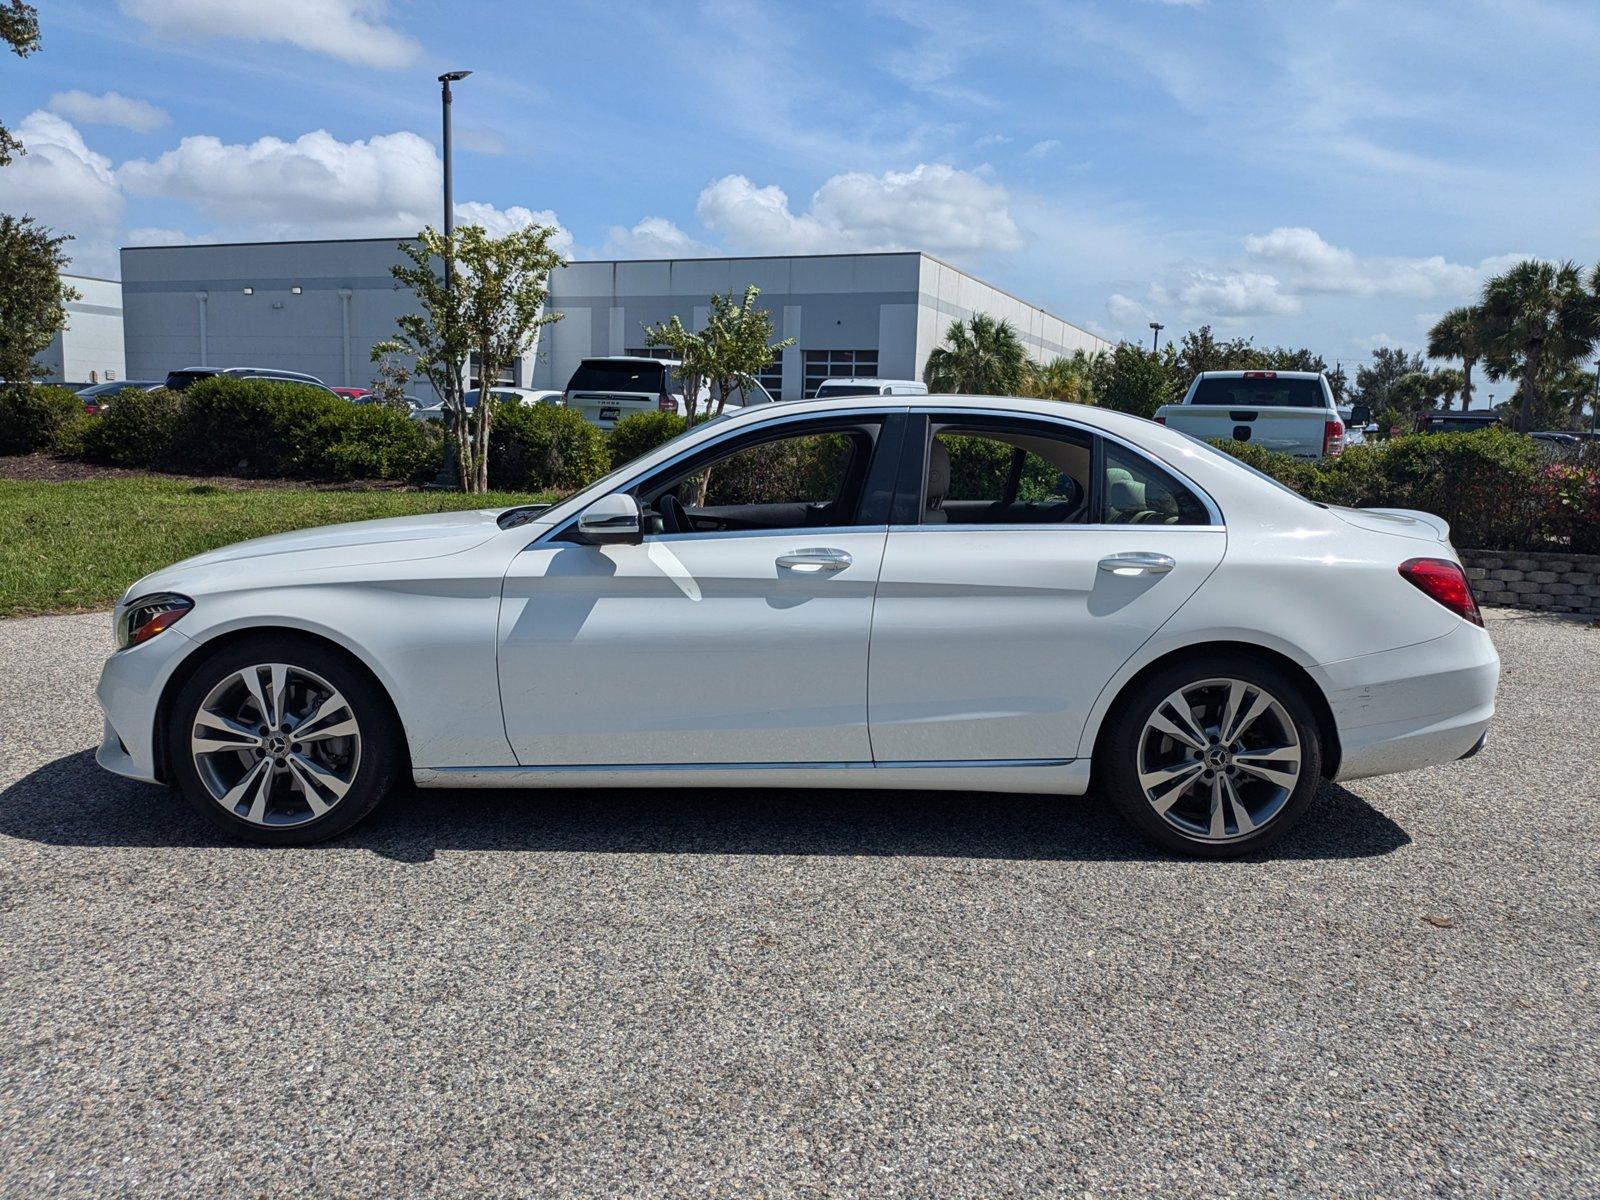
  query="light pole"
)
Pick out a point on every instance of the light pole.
point(1155, 336)
point(448, 476)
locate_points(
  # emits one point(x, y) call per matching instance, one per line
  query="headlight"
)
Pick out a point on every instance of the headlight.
point(147, 616)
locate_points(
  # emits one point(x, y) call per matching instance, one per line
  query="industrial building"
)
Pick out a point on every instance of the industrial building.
point(320, 306)
point(89, 348)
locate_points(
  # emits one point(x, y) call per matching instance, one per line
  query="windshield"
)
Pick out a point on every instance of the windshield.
point(846, 389)
point(1260, 393)
point(597, 374)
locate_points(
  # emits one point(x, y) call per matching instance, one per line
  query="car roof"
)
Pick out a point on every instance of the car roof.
point(1258, 372)
point(629, 358)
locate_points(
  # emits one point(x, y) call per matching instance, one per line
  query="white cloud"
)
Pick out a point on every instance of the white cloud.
point(1315, 265)
point(111, 108)
point(932, 207)
point(1233, 294)
point(1125, 310)
point(501, 221)
point(1043, 149)
point(352, 30)
point(315, 185)
point(318, 186)
point(153, 235)
point(60, 180)
point(653, 237)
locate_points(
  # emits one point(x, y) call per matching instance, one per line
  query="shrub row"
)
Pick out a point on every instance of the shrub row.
point(274, 430)
point(1494, 487)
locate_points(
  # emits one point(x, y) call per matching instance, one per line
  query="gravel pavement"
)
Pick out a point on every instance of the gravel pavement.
point(802, 994)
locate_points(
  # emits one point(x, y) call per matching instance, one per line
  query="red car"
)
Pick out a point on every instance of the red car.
point(352, 393)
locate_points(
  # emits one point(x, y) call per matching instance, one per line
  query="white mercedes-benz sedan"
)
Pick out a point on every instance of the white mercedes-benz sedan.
point(982, 594)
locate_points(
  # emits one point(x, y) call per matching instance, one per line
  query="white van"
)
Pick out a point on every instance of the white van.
point(605, 390)
point(870, 387)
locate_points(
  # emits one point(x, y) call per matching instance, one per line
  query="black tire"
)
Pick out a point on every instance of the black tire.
point(382, 763)
point(1117, 762)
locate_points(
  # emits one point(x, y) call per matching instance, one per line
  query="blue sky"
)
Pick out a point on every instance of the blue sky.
point(1317, 173)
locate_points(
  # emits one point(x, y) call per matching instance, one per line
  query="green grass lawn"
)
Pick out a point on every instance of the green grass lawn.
point(73, 546)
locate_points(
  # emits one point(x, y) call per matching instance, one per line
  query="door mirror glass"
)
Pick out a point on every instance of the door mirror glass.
point(1360, 414)
point(611, 520)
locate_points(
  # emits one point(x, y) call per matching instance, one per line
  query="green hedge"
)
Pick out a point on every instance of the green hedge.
point(34, 416)
point(533, 447)
point(137, 429)
point(641, 433)
point(1496, 488)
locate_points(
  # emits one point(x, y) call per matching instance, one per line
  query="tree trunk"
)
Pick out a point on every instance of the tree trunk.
point(1466, 384)
point(463, 446)
point(1530, 388)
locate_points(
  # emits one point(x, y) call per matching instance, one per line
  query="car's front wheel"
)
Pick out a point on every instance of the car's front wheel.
point(280, 741)
point(1213, 757)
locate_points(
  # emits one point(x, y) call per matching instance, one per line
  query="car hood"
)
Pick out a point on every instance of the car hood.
point(1402, 522)
point(358, 543)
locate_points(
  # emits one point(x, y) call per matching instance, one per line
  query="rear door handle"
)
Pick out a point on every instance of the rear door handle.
point(816, 558)
point(1138, 562)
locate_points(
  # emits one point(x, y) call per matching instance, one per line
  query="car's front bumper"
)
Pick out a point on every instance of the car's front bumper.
point(129, 692)
point(1418, 706)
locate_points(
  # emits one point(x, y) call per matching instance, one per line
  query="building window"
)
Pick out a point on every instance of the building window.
point(771, 376)
point(822, 365)
point(648, 352)
point(507, 376)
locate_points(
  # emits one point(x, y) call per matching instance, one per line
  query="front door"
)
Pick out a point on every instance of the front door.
point(735, 633)
point(1038, 564)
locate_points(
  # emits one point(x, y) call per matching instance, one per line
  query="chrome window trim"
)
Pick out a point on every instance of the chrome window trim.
point(1051, 527)
point(883, 412)
point(1090, 431)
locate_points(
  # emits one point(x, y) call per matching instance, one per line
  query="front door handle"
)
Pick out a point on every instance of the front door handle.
point(815, 558)
point(1138, 562)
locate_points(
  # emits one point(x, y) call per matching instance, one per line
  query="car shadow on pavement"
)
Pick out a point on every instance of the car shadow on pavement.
point(72, 802)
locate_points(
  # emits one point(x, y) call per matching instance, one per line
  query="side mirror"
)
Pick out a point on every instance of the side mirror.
point(1360, 414)
point(611, 520)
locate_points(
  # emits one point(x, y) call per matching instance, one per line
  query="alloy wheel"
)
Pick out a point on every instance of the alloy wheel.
point(1218, 759)
point(276, 745)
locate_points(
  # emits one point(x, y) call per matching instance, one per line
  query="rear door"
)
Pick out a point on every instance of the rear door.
point(1014, 587)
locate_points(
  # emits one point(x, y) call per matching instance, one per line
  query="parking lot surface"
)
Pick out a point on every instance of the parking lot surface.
point(802, 994)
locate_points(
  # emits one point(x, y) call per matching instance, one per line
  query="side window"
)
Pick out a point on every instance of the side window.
point(808, 479)
point(1137, 492)
point(1006, 475)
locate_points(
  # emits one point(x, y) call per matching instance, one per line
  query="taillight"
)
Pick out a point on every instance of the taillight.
point(1260, 374)
point(1332, 439)
point(666, 404)
point(1160, 420)
point(1445, 582)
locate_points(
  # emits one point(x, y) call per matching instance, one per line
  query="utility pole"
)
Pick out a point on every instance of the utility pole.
point(448, 475)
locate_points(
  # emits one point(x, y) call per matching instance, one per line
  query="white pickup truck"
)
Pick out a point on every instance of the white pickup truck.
point(1291, 412)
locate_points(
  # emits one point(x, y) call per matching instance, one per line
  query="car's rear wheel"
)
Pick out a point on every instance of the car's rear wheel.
point(280, 741)
point(1213, 757)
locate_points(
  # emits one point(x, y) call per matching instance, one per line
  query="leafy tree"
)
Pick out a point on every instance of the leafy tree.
point(1063, 378)
point(1459, 334)
point(1537, 316)
point(1134, 380)
point(19, 30)
point(492, 310)
point(390, 380)
point(725, 357)
point(979, 357)
point(1375, 381)
point(33, 299)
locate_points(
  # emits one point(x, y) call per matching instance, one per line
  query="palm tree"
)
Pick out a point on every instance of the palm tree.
point(979, 357)
point(1061, 378)
point(1458, 334)
point(1536, 317)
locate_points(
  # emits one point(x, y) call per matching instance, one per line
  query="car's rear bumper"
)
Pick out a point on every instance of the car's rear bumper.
point(129, 692)
point(1419, 706)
